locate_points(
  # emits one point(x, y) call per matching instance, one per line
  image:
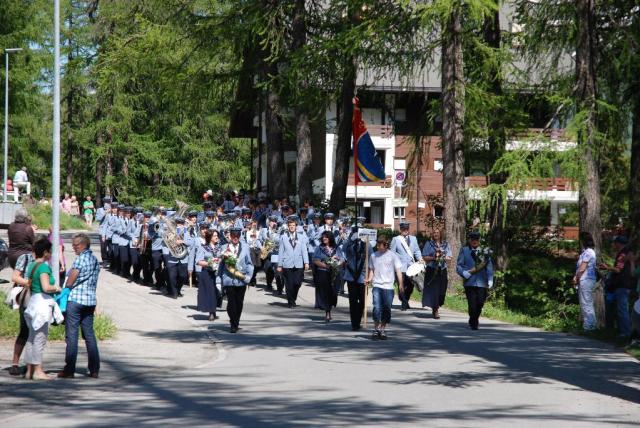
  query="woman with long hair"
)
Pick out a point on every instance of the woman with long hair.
point(327, 259)
point(437, 254)
point(207, 262)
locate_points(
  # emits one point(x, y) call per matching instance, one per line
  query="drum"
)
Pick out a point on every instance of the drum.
point(415, 273)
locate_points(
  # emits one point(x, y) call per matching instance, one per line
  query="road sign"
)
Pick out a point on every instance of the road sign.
point(400, 177)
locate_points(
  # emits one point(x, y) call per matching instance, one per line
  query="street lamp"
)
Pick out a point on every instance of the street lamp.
point(6, 116)
point(55, 197)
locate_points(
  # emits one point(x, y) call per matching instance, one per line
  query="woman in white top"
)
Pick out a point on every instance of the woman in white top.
point(585, 281)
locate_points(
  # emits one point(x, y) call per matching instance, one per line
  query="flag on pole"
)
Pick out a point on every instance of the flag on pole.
point(368, 166)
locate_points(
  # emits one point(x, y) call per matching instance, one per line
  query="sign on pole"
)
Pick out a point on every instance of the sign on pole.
point(370, 234)
point(400, 175)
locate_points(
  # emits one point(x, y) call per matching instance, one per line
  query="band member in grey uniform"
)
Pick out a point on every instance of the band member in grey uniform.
point(408, 251)
point(234, 279)
point(270, 263)
point(293, 260)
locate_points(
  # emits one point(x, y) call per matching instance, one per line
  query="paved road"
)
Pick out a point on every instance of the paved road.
point(169, 366)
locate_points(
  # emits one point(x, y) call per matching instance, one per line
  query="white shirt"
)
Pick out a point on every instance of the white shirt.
point(384, 267)
point(20, 177)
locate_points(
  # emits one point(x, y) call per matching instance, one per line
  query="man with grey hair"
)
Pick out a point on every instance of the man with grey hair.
point(83, 281)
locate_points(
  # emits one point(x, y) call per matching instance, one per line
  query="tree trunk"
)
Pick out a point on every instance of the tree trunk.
point(497, 139)
point(589, 197)
point(634, 176)
point(303, 131)
point(343, 148)
point(275, 146)
point(453, 96)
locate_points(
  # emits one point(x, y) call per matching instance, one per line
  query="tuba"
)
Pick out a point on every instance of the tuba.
point(170, 236)
point(268, 246)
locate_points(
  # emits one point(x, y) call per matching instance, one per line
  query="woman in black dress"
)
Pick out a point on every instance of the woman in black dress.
point(207, 261)
point(437, 254)
point(327, 259)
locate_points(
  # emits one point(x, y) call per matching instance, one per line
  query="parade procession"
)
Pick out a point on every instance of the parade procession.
point(221, 251)
point(336, 213)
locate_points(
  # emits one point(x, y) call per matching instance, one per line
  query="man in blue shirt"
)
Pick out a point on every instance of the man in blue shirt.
point(81, 306)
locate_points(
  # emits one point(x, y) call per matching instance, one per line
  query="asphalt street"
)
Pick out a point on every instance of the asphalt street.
point(169, 366)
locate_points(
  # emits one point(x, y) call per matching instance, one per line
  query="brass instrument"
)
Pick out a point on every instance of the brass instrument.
point(267, 247)
point(143, 239)
point(170, 235)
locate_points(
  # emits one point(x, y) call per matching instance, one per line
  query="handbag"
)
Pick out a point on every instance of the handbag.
point(25, 294)
point(62, 298)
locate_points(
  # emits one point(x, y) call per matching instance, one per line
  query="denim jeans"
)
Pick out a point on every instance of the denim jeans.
point(382, 300)
point(80, 317)
point(624, 320)
point(585, 291)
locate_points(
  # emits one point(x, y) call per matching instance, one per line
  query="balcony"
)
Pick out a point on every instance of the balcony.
point(387, 182)
point(383, 131)
point(544, 184)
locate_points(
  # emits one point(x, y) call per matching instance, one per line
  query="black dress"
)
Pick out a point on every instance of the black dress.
point(435, 287)
point(435, 279)
point(326, 292)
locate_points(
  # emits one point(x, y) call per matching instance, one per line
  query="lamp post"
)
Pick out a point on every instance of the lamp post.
point(55, 197)
point(6, 116)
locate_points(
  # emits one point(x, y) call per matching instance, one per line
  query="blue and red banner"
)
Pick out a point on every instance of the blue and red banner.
point(368, 166)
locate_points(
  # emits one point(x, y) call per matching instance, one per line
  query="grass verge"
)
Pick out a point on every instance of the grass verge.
point(41, 216)
point(10, 324)
point(565, 319)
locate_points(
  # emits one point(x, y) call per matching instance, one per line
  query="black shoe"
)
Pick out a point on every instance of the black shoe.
point(375, 335)
point(15, 371)
point(233, 330)
point(289, 305)
point(355, 328)
point(473, 327)
point(383, 335)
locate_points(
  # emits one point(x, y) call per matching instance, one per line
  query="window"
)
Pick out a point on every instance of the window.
point(438, 211)
point(438, 165)
point(398, 212)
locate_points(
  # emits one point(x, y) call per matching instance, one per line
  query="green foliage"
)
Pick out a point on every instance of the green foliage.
point(10, 325)
point(41, 217)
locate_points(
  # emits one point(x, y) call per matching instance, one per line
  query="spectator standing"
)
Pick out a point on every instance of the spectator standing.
point(65, 205)
point(585, 281)
point(621, 283)
point(83, 281)
point(88, 209)
point(20, 280)
point(21, 236)
point(75, 206)
point(39, 312)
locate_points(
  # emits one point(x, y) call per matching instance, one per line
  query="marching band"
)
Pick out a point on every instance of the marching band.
point(220, 249)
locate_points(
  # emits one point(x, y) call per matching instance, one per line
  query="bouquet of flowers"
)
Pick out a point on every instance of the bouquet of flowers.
point(230, 263)
point(334, 265)
point(483, 254)
point(213, 263)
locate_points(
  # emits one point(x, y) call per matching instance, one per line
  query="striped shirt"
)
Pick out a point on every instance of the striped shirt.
point(83, 290)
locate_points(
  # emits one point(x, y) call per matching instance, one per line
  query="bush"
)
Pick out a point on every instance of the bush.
point(10, 324)
point(537, 282)
point(42, 218)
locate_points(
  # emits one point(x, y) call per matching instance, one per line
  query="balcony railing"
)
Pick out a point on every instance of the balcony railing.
point(388, 182)
point(384, 131)
point(558, 183)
